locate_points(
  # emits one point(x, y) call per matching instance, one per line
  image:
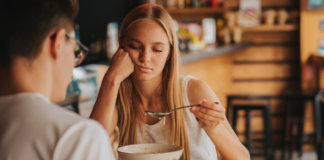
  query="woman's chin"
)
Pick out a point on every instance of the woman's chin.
point(142, 77)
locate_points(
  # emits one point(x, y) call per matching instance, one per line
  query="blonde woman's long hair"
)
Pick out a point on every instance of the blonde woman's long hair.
point(130, 116)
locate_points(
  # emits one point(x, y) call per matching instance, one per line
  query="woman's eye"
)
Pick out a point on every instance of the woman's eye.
point(157, 50)
point(133, 46)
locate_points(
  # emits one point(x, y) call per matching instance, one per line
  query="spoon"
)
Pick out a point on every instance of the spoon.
point(160, 115)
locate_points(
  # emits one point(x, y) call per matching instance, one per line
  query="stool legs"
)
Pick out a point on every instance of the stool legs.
point(234, 119)
point(248, 129)
point(318, 126)
point(284, 133)
point(300, 128)
point(293, 120)
point(268, 150)
point(268, 134)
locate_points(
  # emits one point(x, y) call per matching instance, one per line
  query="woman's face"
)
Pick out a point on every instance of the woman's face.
point(148, 46)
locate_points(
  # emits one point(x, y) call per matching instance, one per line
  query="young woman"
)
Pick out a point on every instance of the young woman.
point(144, 75)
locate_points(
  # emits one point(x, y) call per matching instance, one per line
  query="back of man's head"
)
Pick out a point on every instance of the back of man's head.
point(26, 23)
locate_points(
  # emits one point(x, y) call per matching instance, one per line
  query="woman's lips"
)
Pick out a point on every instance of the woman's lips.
point(144, 69)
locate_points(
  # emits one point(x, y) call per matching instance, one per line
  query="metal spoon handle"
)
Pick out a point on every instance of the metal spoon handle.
point(194, 105)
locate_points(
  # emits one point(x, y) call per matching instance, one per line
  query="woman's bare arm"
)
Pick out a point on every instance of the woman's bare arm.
point(105, 110)
point(214, 122)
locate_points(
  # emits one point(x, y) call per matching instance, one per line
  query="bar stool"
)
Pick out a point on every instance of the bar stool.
point(294, 123)
point(248, 108)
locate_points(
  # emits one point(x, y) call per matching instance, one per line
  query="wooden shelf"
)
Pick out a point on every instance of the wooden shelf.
point(274, 28)
point(280, 3)
point(195, 14)
point(187, 57)
point(207, 10)
point(270, 3)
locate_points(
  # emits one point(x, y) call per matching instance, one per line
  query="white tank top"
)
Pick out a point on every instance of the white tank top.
point(201, 146)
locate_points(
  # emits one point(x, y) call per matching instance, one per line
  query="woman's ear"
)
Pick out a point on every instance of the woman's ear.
point(57, 40)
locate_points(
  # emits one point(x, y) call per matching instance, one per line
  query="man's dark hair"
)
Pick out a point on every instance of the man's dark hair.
point(26, 23)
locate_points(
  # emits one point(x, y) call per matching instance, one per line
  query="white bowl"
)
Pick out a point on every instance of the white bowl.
point(151, 151)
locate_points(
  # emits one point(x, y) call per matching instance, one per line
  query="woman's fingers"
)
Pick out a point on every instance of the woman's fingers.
point(210, 113)
point(207, 121)
point(121, 66)
point(212, 105)
point(209, 116)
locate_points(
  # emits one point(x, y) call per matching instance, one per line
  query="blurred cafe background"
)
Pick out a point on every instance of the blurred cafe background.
point(264, 59)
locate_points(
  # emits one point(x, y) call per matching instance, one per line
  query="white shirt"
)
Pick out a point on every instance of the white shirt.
point(201, 146)
point(32, 128)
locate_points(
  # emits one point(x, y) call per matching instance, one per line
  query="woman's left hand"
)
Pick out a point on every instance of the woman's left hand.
point(210, 114)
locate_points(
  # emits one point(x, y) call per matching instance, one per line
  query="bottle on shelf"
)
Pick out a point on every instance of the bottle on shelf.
point(112, 38)
point(181, 3)
point(171, 3)
point(196, 3)
point(188, 3)
point(214, 3)
point(209, 30)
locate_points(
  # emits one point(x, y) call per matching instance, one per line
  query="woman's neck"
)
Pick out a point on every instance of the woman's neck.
point(149, 93)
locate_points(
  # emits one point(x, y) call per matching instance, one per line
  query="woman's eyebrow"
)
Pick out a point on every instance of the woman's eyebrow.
point(159, 43)
point(132, 39)
point(156, 43)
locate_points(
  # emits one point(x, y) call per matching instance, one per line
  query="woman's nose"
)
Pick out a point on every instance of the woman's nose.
point(145, 55)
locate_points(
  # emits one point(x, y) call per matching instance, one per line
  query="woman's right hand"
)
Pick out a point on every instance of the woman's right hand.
point(121, 66)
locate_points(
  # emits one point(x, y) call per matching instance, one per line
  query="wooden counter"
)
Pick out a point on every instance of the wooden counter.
point(187, 57)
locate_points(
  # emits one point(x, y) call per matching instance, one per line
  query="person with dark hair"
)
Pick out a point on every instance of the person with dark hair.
point(38, 52)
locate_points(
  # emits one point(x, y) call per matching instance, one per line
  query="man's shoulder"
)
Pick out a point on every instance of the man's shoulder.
point(87, 128)
point(55, 113)
point(35, 120)
point(36, 108)
point(81, 136)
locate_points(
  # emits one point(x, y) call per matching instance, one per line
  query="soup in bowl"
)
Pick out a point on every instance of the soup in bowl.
point(150, 151)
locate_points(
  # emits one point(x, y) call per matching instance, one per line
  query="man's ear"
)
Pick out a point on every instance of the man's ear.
point(57, 40)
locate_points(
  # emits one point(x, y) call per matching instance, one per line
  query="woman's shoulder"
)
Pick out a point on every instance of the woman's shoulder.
point(192, 83)
point(196, 84)
point(198, 89)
